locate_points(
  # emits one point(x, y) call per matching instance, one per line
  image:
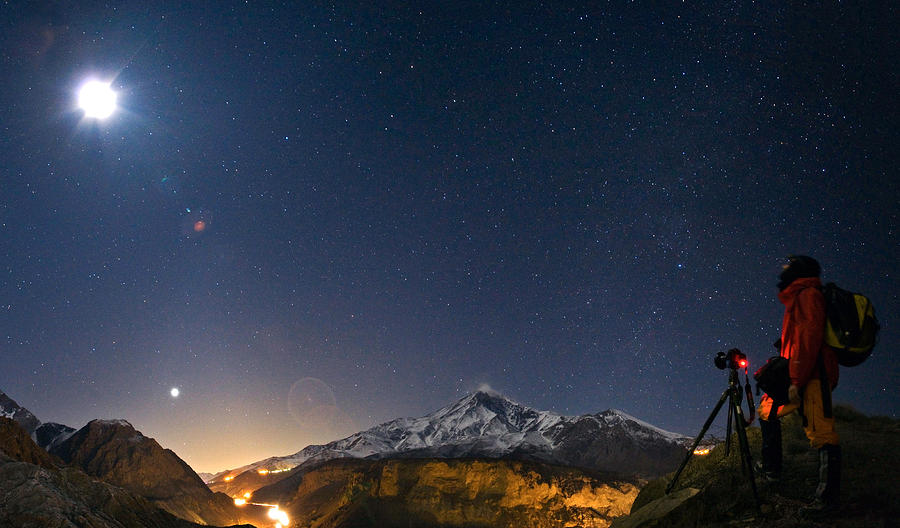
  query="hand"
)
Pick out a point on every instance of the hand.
point(794, 394)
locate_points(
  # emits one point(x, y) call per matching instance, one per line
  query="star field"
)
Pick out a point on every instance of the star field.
point(313, 219)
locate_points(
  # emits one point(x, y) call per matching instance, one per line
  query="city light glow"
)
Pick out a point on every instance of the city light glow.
point(277, 515)
point(280, 517)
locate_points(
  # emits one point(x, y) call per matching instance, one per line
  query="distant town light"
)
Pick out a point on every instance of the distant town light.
point(277, 515)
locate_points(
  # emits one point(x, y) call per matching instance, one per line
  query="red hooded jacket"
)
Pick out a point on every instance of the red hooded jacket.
point(803, 332)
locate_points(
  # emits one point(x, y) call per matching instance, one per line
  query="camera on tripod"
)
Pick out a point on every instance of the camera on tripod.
point(733, 359)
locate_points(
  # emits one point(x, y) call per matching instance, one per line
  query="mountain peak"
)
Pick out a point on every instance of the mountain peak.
point(117, 422)
point(487, 424)
point(10, 409)
point(487, 390)
point(487, 398)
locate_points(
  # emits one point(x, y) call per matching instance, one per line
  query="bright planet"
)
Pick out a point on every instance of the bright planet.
point(97, 99)
point(174, 392)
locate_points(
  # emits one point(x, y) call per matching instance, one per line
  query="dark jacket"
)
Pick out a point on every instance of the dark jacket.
point(803, 331)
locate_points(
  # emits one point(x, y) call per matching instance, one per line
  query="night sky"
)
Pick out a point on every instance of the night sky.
point(314, 218)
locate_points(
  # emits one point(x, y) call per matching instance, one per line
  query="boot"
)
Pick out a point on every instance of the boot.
point(771, 449)
point(828, 493)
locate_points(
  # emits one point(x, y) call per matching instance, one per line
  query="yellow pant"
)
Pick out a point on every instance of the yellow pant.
point(818, 428)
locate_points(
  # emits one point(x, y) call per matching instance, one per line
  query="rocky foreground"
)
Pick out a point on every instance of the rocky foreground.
point(35, 492)
point(713, 492)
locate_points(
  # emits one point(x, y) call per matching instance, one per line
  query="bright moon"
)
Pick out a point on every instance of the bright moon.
point(97, 99)
point(174, 392)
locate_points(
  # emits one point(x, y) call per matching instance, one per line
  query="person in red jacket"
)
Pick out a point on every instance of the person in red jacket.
point(814, 374)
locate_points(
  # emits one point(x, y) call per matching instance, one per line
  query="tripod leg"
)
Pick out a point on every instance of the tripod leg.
point(728, 427)
point(690, 453)
point(746, 459)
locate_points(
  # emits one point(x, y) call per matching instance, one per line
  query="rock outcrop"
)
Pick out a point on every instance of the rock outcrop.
point(448, 493)
point(714, 492)
point(15, 442)
point(36, 493)
point(114, 452)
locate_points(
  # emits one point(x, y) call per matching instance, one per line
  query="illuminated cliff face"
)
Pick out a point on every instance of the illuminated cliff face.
point(405, 492)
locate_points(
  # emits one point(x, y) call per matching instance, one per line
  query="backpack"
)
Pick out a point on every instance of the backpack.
point(774, 379)
point(851, 328)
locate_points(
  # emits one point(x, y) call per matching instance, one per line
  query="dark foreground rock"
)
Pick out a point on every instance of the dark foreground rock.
point(870, 485)
point(37, 493)
point(114, 452)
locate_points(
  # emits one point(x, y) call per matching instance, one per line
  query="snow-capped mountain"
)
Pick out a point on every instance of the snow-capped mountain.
point(50, 434)
point(12, 410)
point(487, 425)
point(45, 435)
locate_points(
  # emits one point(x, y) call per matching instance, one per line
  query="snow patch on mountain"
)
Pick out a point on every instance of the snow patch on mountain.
point(50, 434)
point(482, 424)
point(615, 416)
point(12, 410)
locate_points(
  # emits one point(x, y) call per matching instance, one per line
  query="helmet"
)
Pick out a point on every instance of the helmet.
point(798, 266)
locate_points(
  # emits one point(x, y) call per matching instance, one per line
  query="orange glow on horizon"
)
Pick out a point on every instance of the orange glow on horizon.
point(701, 451)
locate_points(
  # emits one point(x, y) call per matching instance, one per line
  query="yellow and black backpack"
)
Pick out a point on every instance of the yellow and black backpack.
point(851, 328)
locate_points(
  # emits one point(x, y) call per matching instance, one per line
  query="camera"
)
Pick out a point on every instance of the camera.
point(733, 359)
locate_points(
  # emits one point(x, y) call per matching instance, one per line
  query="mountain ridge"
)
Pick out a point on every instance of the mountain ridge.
point(38, 489)
point(113, 452)
point(44, 434)
point(486, 424)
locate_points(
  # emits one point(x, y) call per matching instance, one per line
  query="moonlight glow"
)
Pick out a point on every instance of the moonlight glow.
point(97, 99)
point(174, 392)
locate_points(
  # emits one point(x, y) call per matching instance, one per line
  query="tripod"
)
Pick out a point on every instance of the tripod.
point(733, 395)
